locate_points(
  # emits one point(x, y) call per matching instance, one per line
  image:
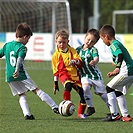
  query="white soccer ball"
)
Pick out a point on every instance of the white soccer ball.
point(66, 108)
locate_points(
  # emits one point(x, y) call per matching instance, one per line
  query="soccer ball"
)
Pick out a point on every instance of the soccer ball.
point(66, 108)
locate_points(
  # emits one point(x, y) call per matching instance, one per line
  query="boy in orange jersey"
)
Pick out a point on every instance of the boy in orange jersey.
point(65, 62)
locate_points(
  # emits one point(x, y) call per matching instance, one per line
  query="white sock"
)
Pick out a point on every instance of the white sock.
point(112, 102)
point(24, 105)
point(88, 95)
point(46, 98)
point(105, 98)
point(122, 105)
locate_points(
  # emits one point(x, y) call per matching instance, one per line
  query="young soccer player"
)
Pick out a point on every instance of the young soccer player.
point(16, 75)
point(65, 62)
point(90, 73)
point(123, 75)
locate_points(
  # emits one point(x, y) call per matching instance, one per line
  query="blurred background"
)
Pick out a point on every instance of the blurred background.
point(77, 16)
point(86, 14)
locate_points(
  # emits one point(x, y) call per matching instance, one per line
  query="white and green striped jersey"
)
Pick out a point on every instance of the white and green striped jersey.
point(11, 51)
point(89, 71)
point(127, 64)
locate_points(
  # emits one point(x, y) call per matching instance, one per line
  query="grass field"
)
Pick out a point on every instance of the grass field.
point(12, 121)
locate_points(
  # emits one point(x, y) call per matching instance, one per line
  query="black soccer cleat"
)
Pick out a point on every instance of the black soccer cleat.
point(31, 117)
point(56, 110)
point(90, 111)
point(112, 117)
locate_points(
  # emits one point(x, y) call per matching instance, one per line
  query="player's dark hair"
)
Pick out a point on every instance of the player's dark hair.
point(23, 29)
point(94, 32)
point(107, 29)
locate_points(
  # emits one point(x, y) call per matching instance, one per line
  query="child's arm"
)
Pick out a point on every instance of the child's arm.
point(94, 61)
point(18, 64)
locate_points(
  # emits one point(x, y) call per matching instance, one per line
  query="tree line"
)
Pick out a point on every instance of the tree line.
point(82, 10)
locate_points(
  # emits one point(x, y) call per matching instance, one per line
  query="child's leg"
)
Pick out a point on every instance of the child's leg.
point(122, 103)
point(112, 101)
point(24, 105)
point(104, 98)
point(46, 98)
point(67, 94)
point(88, 95)
point(82, 105)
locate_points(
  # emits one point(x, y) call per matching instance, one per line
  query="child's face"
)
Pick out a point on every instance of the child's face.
point(105, 39)
point(62, 43)
point(25, 39)
point(90, 40)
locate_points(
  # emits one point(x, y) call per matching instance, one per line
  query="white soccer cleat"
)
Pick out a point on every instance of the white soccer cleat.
point(82, 116)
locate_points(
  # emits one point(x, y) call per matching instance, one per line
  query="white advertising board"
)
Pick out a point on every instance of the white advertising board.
point(40, 46)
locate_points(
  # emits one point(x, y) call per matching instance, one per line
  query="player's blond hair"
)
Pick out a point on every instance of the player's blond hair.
point(62, 33)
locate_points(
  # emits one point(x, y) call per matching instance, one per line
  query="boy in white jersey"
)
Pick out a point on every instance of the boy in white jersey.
point(123, 75)
point(90, 74)
point(16, 76)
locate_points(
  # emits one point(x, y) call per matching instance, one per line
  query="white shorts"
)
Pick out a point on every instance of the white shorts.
point(19, 87)
point(98, 85)
point(121, 82)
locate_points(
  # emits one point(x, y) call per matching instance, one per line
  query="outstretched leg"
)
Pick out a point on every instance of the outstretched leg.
point(46, 98)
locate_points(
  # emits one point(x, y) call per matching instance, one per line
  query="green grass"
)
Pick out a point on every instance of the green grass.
point(12, 121)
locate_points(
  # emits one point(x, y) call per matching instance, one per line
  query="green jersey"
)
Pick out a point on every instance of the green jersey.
point(89, 71)
point(11, 51)
point(127, 64)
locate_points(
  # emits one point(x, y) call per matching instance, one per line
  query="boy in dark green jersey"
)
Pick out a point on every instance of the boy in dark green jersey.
point(123, 75)
point(16, 75)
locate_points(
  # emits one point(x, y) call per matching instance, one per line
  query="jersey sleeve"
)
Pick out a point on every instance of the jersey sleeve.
point(115, 49)
point(22, 52)
point(55, 64)
point(95, 52)
point(1, 52)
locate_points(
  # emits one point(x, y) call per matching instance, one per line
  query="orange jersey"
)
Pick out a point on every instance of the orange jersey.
point(61, 67)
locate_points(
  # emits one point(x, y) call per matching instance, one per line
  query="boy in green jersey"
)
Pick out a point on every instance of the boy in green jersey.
point(91, 75)
point(16, 75)
point(123, 75)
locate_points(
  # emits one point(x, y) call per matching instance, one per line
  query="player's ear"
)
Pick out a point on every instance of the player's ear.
point(106, 36)
point(25, 36)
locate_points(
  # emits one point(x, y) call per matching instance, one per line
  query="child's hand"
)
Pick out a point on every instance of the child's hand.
point(92, 63)
point(115, 72)
point(16, 74)
point(76, 63)
point(56, 87)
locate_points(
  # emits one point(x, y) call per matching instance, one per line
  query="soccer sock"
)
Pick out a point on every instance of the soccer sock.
point(46, 98)
point(122, 105)
point(67, 95)
point(105, 98)
point(81, 108)
point(24, 105)
point(112, 102)
point(88, 95)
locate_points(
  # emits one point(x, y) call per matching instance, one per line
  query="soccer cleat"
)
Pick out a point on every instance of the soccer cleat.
point(82, 116)
point(56, 110)
point(127, 118)
point(90, 111)
point(31, 117)
point(112, 117)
